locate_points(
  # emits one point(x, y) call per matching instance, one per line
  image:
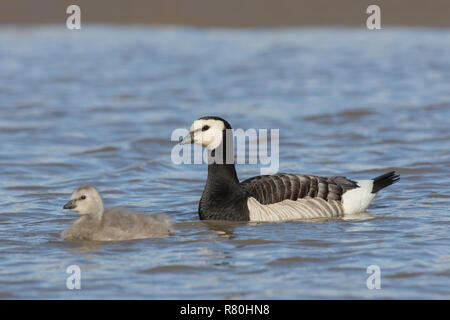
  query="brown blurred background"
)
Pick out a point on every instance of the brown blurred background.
point(230, 13)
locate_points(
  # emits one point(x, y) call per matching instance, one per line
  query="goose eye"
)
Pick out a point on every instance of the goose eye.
point(83, 197)
point(205, 128)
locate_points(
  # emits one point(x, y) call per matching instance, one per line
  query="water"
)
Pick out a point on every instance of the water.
point(98, 106)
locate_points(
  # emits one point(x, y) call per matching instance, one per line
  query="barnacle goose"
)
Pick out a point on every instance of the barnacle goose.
point(275, 197)
point(96, 223)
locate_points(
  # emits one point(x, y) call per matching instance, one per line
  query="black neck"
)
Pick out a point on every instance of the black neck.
point(223, 197)
point(222, 174)
point(221, 169)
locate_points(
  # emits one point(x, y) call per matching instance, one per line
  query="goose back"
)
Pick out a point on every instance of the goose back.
point(292, 196)
point(269, 189)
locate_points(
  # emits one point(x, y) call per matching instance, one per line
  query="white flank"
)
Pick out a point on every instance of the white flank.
point(307, 208)
point(357, 200)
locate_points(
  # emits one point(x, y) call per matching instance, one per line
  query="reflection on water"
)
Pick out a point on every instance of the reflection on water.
point(86, 246)
point(98, 107)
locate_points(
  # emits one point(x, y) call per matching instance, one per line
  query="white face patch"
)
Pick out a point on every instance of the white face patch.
point(207, 133)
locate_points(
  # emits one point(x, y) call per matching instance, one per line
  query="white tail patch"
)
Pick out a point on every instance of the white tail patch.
point(307, 208)
point(357, 200)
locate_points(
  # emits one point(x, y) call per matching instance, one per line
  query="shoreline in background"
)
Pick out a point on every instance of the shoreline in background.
point(254, 28)
point(230, 13)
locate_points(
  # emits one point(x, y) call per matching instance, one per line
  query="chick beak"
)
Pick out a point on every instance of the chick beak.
point(70, 205)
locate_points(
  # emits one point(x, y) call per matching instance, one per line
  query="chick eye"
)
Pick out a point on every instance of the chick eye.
point(83, 197)
point(205, 128)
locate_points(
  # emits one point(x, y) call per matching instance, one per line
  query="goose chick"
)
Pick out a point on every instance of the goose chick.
point(96, 223)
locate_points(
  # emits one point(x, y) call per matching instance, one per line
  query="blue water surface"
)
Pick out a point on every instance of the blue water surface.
point(98, 106)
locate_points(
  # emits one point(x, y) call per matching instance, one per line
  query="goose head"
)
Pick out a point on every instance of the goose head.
point(86, 201)
point(208, 132)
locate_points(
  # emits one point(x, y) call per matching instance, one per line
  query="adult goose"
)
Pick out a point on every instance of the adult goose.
point(275, 197)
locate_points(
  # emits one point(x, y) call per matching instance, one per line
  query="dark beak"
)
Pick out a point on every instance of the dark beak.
point(70, 205)
point(187, 140)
